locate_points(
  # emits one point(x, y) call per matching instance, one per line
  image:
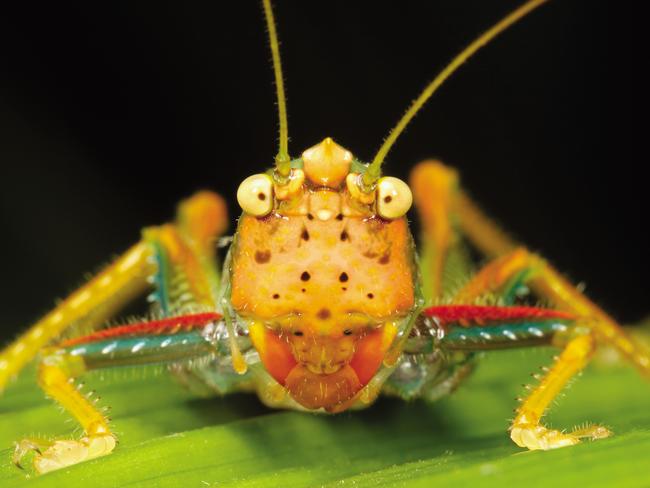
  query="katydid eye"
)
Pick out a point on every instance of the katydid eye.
point(255, 195)
point(394, 197)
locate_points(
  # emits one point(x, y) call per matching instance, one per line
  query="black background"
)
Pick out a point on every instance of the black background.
point(110, 113)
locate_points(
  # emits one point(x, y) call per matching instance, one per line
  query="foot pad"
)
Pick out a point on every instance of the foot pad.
point(49, 456)
point(539, 437)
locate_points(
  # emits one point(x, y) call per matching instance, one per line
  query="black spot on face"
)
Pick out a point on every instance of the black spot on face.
point(305, 276)
point(343, 277)
point(385, 258)
point(262, 257)
point(344, 288)
point(347, 332)
point(304, 235)
point(310, 216)
point(324, 314)
point(344, 235)
point(370, 295)
point(276, 296)
point(303, 290)
point(339, 217)
point(298, 333)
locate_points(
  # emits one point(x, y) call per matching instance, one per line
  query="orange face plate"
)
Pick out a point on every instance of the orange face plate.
point(320, 288)
point(322, 276)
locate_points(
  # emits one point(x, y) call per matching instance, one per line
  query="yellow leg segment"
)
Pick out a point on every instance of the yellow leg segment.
point(182, 257)
point(203, 218)
point(494, 275)
point(191, 249)
point(55, 376)
point(487, 236)
point(526, 430)
point(549, 283)
point(434, 188)
point(93, 303)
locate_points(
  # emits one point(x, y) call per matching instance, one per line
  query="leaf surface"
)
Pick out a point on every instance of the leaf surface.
point(168, 438)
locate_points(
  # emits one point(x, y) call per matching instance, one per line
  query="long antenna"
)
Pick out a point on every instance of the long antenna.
point(282, 160)
point(374, 169)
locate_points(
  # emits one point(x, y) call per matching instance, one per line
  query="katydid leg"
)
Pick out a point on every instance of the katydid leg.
point(165, 341)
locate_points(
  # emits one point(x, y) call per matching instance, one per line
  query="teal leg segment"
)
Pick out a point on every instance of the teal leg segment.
point(438, 357)
point(131, 351)
point(515, 288)
point(200, 358)
point(160, 296)
point(502, 336)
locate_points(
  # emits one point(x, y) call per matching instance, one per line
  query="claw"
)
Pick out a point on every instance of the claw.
point(50, 456)
point(539, 437)
point(24, 447)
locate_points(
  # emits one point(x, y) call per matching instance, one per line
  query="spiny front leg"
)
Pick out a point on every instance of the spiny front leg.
point(503, 275)
point(475, 328)
point(161, 341)
point(527, 430)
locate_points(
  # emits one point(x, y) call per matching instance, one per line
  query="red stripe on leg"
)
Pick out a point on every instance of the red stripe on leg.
point(480, 314)
point(182, 322)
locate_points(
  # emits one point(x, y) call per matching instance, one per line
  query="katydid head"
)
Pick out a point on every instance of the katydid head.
point(324, 272)
point(323, 266)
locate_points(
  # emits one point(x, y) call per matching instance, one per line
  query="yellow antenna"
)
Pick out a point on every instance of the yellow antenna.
point(282, 160)
point(374, 169)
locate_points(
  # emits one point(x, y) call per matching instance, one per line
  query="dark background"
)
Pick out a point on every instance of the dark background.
point(110, 113)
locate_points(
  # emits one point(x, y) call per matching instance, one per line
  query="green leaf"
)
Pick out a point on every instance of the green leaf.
point(169, 438)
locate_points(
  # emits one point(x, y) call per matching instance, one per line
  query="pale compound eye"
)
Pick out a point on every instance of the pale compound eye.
point(394, 197)
point(255, 195)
